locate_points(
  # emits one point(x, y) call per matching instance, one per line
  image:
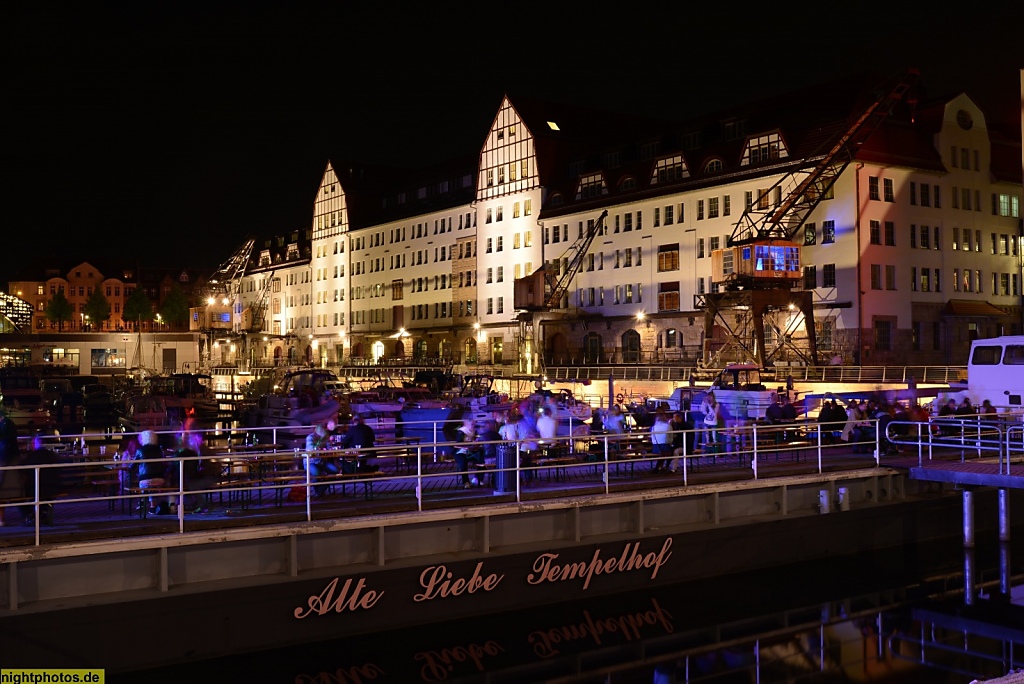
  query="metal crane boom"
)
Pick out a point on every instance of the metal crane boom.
point(803, 190)
point(228, 276)
point(543, 289)
point(579, 250)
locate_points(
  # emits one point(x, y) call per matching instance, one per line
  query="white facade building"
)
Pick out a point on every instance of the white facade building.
point(917, 251)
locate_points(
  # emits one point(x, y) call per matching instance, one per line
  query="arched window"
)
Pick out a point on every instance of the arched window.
point(631, 347)
point(628, 183)
point(713, 166)
point(470, 350)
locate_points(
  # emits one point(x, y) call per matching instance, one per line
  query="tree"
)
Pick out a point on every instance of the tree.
point(138, 308)
point(59, 309)
point(174, 310)
point(97, 308)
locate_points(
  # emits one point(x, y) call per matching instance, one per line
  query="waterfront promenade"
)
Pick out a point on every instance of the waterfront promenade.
point(268, 484)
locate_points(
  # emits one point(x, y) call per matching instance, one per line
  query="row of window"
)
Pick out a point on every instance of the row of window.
point(621, 294)
point(512, 168)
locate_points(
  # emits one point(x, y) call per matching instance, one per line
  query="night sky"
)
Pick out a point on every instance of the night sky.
point(163, 133)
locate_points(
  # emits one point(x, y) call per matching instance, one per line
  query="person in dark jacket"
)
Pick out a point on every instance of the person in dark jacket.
point(359, 436)
point(151, 470)
point(489, 452)
point(49, 483)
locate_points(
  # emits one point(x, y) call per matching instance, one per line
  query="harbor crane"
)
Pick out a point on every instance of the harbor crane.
point(760, 266)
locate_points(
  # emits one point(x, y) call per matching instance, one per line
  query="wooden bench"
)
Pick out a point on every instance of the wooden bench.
point(239, 490)
point(483, 471)
point(110, 485)
point(281, 481)
point(556, 464)
point(143, 493)
point(364, 477)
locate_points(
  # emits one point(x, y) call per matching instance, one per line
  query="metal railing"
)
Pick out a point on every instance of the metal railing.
point(249, 468)
point(837, 374)
point(981, 435)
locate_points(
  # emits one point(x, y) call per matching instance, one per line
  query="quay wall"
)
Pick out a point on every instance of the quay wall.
point(229, 591)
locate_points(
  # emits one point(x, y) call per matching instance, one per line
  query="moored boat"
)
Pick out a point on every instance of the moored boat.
point(298, 400)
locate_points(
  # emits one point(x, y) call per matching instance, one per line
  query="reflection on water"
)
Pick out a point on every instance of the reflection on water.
point(902, 616)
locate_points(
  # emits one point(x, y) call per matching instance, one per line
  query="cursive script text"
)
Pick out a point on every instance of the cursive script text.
point(546, 642)
point(438, 582)
point(546, 568)
point(349, 598)
point(437, 665)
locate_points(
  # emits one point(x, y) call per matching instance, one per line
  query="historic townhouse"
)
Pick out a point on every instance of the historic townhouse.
point(916, 250)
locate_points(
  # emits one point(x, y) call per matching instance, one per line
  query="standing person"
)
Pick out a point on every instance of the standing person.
point(682, 438)
point(547, 427)
point(465, 451)
point(508, 451)
point(615, 427)
point(713, 421)
point(661, 441)
point(49, 483)
point(489, 435)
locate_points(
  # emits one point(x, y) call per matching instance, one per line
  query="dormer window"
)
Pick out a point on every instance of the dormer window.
point(713, 166)
point(628, 183)
point(764, 148)
point(733, 130)
point(557, 199)
point(591, 186)
point(669, 170)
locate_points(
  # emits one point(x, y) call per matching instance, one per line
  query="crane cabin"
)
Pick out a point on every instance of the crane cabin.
point(772, 263)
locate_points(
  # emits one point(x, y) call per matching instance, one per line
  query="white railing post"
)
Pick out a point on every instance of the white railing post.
point(419, 478)
point(607, 472)
point(518, 473)
point(35, 504)
point(685, 459)
point(309, 488)
point(181, 495)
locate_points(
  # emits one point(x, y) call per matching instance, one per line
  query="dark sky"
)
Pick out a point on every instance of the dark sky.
point(166, 132)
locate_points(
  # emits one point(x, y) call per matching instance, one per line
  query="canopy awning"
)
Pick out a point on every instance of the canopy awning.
point(967, 308)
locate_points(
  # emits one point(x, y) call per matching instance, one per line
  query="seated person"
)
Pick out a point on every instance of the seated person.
point(151, 470)
point(319, 465)
point(359, 436)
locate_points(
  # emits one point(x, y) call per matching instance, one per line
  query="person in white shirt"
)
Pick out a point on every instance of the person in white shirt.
point(661, 441)
point(547, 426)
point(713, 420)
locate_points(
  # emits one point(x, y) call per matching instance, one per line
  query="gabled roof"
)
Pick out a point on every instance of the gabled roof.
point(809, 120)
point(375, 194)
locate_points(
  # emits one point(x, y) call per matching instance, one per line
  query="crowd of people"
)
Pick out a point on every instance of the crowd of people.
point(525, 430)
